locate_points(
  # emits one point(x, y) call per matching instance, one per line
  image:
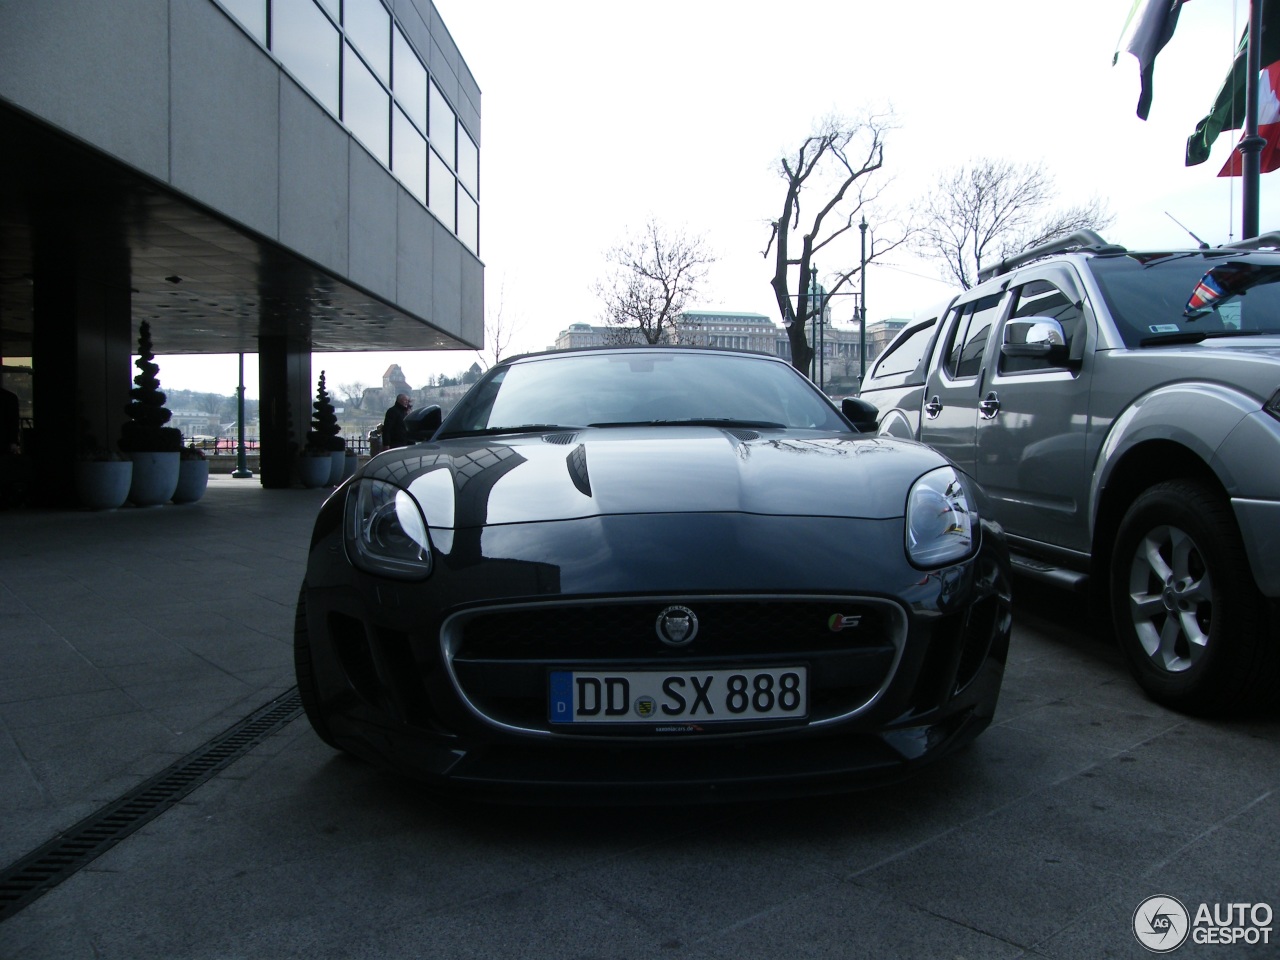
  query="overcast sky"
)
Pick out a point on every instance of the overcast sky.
point(597, 116)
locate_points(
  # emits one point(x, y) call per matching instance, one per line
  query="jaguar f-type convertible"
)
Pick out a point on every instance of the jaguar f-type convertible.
point(652, 574)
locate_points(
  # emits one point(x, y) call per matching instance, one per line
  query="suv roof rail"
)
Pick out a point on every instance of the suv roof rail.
point(1271, 239)
point(1088, 240)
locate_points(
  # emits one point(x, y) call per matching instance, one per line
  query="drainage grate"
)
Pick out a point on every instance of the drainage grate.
point(44, 868)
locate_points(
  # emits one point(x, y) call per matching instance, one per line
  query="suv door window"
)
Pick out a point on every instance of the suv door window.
point(903, 363)
point(1041, 298)
point(964, 356)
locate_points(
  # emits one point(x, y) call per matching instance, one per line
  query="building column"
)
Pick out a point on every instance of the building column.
point(284, 407)
point(81, 348)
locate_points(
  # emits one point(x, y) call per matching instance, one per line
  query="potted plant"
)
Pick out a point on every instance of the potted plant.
point(323, 435)
point(315, 466)
point(351, 465)
point(150, 445)
point(193, 475)
point(103, 477)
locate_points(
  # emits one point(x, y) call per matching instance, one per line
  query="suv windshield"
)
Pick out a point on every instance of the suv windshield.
point(1178, 297)
point(647, 386)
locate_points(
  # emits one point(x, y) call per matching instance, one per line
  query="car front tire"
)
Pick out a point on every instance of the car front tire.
point(304, 669)
point(1189, 618)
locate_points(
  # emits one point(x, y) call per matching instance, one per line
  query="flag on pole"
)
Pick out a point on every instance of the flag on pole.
point(1227, 112)
point(1268, 126)
point(1147, 29)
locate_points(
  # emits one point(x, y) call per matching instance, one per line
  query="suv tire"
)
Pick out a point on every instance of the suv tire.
point(1190, 620)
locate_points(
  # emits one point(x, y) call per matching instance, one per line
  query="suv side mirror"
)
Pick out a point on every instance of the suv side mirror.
point(861, 413)
point(1040, 338)
point(422, 423)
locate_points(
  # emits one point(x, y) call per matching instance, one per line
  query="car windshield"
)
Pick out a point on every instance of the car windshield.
point(647, 386)
point(1180, 298)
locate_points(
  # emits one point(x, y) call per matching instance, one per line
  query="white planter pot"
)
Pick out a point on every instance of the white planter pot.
point(155, 477)
point(314, 471)
point(193, 480)
point(350, 467)
point(337, 463)
point(103, 484)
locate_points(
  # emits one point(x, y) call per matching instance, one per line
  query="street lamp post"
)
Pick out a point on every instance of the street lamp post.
point(242, 466)
point(862, 308)
point(817, 366)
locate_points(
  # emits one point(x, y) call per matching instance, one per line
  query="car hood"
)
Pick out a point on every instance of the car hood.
point(566, 475)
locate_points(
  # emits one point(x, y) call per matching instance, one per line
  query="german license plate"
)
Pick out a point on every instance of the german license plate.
point(657, 696)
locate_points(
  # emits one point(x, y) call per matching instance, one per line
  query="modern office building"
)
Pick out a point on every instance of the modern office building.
point(272, 177)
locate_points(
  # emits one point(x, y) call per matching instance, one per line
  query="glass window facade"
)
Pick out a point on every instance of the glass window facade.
point(409, 156)
point(409, 82)
point(441, 184)
point(307, 44)
point(468, 221)
point(368, 26)
point(352, 56)
point(365, 106)
point(442, 132)
point(468, 163)
point(252, 16)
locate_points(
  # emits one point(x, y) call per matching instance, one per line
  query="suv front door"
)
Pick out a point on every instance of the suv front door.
point(1033, 422)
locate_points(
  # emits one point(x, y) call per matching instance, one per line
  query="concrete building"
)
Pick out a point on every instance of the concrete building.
point(248, 177)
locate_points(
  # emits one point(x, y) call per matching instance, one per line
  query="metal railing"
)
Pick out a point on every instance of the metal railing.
point(229, 446)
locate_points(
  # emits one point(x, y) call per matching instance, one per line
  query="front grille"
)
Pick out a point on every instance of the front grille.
point(726, 628)
point(500, 658)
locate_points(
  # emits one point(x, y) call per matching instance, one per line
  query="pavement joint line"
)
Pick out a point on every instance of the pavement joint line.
point(32, 876)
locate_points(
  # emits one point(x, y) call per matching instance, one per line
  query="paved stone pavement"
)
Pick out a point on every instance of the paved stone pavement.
point(130, 638)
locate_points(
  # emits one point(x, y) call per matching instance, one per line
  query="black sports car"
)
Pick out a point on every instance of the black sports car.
point(652, 574)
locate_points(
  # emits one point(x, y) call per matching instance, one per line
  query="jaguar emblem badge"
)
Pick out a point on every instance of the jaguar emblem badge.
point(677, 626)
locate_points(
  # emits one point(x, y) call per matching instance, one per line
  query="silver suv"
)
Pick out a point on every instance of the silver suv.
point(1122, 411)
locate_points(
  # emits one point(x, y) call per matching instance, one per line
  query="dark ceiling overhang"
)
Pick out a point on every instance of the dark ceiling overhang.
point(205, 284)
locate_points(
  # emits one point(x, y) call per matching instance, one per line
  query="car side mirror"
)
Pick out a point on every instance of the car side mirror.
point(861, 413)
point(421, 424)
point(1040, 338)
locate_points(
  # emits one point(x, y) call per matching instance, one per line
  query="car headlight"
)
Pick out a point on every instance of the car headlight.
point(385, 532)
point(942, 522)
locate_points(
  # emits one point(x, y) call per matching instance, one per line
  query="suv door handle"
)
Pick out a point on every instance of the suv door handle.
point(989, 406)
point(933, 408)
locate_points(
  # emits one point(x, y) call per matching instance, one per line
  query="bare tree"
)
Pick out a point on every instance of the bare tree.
point(498, 329)
point(837, 164)
point(211, 403)
point(651, 277)
point(352, 395)
point(983, 212)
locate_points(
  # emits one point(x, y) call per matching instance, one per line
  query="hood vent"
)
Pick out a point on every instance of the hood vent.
point(745, 435)
point(560, 439)
point(577, 463)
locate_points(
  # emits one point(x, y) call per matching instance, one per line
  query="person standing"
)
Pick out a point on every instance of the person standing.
point(394, 432)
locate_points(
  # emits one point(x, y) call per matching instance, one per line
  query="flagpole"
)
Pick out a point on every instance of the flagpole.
point(1251, 144)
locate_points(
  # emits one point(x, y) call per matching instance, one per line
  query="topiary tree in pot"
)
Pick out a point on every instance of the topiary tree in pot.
point(144, 438)
point(323, 437)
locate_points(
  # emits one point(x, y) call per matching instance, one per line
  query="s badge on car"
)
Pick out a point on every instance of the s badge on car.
point(838, 621)
point(677, 626)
